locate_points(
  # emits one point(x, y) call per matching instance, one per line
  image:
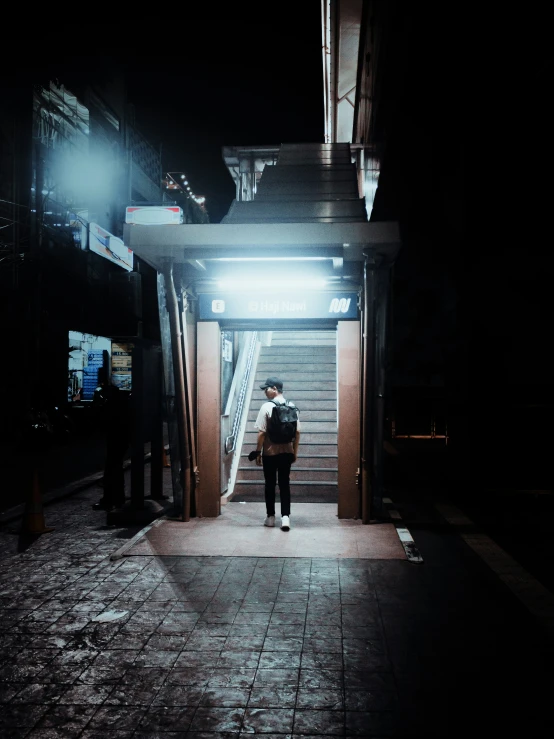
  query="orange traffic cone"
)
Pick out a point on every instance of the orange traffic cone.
point(166, 462)
point(33, 516)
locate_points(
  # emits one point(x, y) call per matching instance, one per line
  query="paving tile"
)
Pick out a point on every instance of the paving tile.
point(366, 661)
point(40, 693)
point(371, 700)
point(241, 643)
point(279, 659)
point(321, 679)
point(268, 720)
point(86, 694)
point(240, 677)
point(19, 716)
point(8, 691)
point(297, 619)
point(165, 642)
point(276, 677)
point(225, 697)
point(124, 717)
point(373, 723)
point(108, 657)
point(167, 719)
point(319, 722)
point(197, 658)
point(68, 717)
point(211, 718)
point(284, 631)
point(200, 642)
point(239, 658)
point(104, 734)
point(153, 657)
point(356, 680)
point(282, 644)
point(316, 644)
point(102, 675)
point(64, 674)
point(198, 676)
point(179, 695)
point(272, 697)
point(331, 699)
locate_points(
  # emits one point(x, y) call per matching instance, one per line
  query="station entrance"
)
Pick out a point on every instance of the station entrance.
point(320, 370)
point(300, 221)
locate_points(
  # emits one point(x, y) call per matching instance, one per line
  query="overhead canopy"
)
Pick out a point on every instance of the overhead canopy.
point(182, 243)
point(300, 203)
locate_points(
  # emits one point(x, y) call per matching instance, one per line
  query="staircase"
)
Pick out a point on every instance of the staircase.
point(306, 363)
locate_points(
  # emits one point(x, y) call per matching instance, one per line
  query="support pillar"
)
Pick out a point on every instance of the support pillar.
point(179, 380)
point(348, 407)
point(209, 418)
point(156, 443)
point(368, 372)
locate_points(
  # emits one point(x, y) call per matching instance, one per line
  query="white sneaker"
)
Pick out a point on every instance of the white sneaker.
point(285, 523)
point(270, 521)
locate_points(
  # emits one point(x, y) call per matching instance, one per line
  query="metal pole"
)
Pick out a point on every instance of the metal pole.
point(381, 319)
point(156, 444)
point(367, 389)
point(178, 371)
point(137, 435)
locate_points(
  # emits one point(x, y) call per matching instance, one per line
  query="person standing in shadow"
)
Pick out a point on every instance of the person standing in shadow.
point(113, 405)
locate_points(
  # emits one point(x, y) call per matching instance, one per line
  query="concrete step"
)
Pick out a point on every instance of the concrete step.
point(303, 460)
point(293, 369)
point(306, 380)
point(328, 415)
point(309, 427)
point(252, 491)
point(310, 474)
point(330, 396)
point(306, 362)
point(298, 353)
point(305, 449)
point(297, 338)
point(251, 437)
point(308, 404)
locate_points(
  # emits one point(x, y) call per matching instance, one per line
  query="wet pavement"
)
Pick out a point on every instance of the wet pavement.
point(223, 646)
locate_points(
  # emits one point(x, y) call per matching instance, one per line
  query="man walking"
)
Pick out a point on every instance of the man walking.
point(275, 457)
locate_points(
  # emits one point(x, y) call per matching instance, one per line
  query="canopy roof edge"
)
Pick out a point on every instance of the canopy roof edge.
point(178, 243)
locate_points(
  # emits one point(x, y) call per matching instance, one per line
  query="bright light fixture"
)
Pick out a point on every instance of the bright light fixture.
point(270, 259)
point(268, 283)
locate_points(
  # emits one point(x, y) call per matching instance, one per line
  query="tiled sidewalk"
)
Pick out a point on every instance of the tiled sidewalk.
point(221, 646)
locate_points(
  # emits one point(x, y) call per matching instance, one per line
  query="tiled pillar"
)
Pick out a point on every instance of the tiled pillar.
point(209, 418)
point(348, 413)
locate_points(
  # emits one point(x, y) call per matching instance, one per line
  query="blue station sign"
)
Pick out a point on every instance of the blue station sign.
point(262, 306)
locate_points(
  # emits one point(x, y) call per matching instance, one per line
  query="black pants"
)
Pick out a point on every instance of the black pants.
point(277, 469)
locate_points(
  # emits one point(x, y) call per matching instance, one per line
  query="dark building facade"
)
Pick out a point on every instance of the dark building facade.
point(73, 296)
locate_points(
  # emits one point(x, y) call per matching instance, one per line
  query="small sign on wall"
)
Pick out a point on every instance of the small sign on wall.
point(122, 365)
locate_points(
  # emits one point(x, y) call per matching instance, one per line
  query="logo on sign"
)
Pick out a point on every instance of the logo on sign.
point(218, 306)
point(339, 305)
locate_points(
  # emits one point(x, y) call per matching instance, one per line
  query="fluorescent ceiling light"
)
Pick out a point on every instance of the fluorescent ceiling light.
point(270, 259)
point(270, 283)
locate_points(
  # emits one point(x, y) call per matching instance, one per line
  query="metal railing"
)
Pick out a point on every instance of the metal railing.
point(230, 440)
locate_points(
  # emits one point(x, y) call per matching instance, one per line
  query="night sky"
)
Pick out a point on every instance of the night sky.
point(205, 78)
point(240, 86)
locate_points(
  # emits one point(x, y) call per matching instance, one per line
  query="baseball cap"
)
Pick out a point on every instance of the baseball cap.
point(272, 382)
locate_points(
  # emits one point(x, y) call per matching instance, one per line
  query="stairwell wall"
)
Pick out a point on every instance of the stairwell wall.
point(349, 404)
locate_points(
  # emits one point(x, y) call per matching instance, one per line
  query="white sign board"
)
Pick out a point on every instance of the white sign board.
point(154, 215)
point(109, 246)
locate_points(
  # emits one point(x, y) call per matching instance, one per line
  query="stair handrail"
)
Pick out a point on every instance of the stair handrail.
point(230, 441)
